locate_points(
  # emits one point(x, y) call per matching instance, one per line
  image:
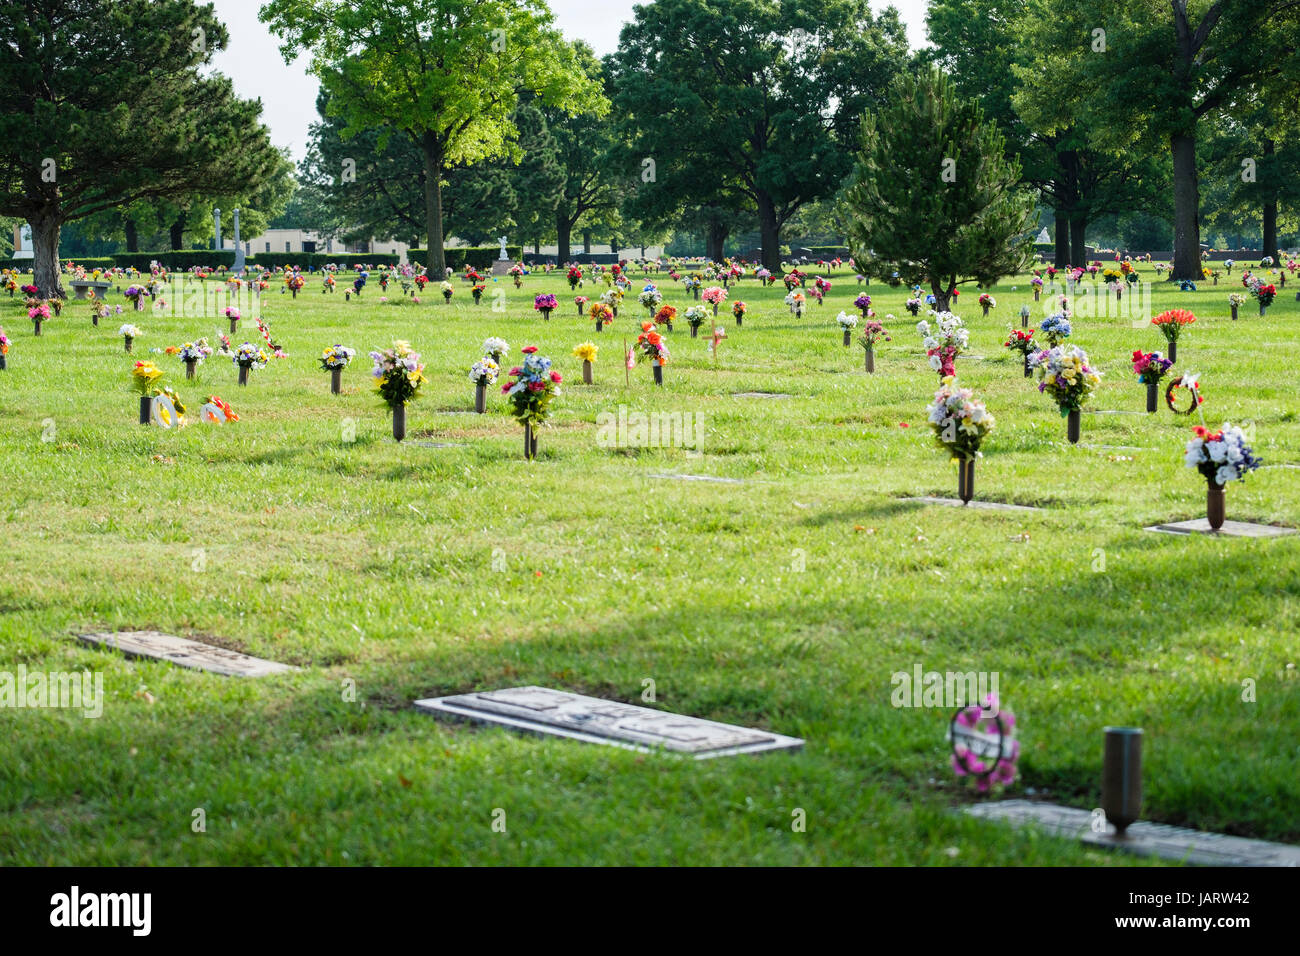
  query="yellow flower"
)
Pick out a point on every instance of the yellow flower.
point(946, 380)
point(586, 351)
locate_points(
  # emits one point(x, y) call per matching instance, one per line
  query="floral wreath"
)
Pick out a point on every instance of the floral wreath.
point(1002, 768)
point(1192, 384)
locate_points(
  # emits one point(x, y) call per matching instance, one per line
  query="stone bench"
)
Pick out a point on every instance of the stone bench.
point(82, 286)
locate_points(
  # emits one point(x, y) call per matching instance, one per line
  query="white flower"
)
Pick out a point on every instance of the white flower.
point(935, 363)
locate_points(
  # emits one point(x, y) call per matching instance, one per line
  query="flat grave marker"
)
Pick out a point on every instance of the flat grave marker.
point(1143, 838)
point(762, 395)
point(185, 652)
point(714, 478)
point(974, 503)
point(543, 710)
point(1230, 529)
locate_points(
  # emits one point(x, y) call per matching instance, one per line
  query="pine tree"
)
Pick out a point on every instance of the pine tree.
point(934, 196)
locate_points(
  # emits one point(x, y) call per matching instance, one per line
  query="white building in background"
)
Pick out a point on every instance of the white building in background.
point(23, 242)
point(304, 240)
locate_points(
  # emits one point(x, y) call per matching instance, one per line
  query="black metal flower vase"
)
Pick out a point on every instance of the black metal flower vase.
point(586, 372)
point(1215, 504)
point(715, 310)
point(1036, 294)
point(530, 442)
point(695, 331)
point(848, 338)
point(965, 479)
point(740, 320)
point(1153, 394)
point(659, 373)
point(234, 325)
point(1024, 321)
point(243, 375)
point(1072, 427)
point(480, 398)
point(146, 409)
point(4, 364)
point(1173, 350)
point(1028, 370)
point(37, 323)
point(126, 341)
point(1121, 777)
point(986, 310)
point(399, 422)
point(870, 361)
point(1234, 313)
point(190, 365)
point(1263, 308)
point(546, 315)
point(336, 381)
point(94, 320)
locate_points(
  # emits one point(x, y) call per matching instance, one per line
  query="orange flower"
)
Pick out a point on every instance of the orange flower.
point(1174, 317)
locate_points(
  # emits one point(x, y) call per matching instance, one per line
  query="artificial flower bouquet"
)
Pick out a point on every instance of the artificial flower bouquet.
point(1172, 323)
point(532, 388)
point(600, 313)
point(650, 345)
point(714, 295)
point(545, 304)
point(574, 275)
point(695, 316)
point(960, 423)
point(666, 313)
point(495, 348)
point(943, 341)
point(587, 352)
point(1150, 367)
point(738, 309)
point(1056, 328)
point(987, 302)
point(1065, 375)
point(398, 374)
point(991, 728)
point(1022, 342)
point(650, 297)
point(336, 357)
point(448, 290)
point(484, 371)
point(1221, 456)
point(863, 304)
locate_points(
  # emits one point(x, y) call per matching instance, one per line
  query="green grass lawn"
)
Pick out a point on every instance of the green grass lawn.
point(419, 571)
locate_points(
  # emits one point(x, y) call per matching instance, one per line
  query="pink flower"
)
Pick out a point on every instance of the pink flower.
point(516, 370)
point(555, 377)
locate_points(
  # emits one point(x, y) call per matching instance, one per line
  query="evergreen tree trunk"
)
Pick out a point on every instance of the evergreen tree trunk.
point(132, 237)
point(564, 234)
point(435, 261)
point(1061, 258)
point(1187, 222)
point(1078, 251)
point(586, 242)
point(45, 254)
point(178, 232)
point(769, 233)
point(716, 240)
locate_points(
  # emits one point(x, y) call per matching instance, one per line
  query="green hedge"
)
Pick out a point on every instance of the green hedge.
point(176, 259)
point(90, 262)
point(480, 257)
point(316, 260)
point(22, 265)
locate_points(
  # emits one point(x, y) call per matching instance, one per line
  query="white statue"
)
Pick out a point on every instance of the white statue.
point(503, 257)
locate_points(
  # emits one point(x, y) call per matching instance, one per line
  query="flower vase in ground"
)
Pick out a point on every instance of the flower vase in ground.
point(848, 337)
point(399, 422)
point(243, 375)
point(37, 324)
point(870, 361)
point(530, 442)
point(965, 479)
point(1037, 291)
point(1173, 350)
point(1072, 426)
point(1263, 307)
point(1153, 395)
point(190, 366)
point(146, 409)
point(586, 371)
point(659, 373)
point(600, 325)
point(1216, 504)
point(480, 398)
point(1234, 313)
point(234, 325)
point(336, 381)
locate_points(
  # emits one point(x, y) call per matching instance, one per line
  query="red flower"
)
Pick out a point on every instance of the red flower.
point(528, 350)
point(555, 377)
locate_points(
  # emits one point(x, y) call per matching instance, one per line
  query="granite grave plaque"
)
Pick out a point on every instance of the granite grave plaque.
point(186, 653)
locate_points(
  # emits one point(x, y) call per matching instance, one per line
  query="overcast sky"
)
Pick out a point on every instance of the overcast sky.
point(288, 94)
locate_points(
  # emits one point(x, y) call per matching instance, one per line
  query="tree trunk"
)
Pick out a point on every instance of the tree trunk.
point(940, 295)
point(45, 254)
point(586, 242)
point(537, 247)
point(564, 234)
point(1061, 258)
point(1078, 252)
point(1269, 230)
point(1187, 223)
point(132, 237)
point(435, 260)
point(716, 239)
point(613, 245)
point(769, 233)
point(178, 232)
